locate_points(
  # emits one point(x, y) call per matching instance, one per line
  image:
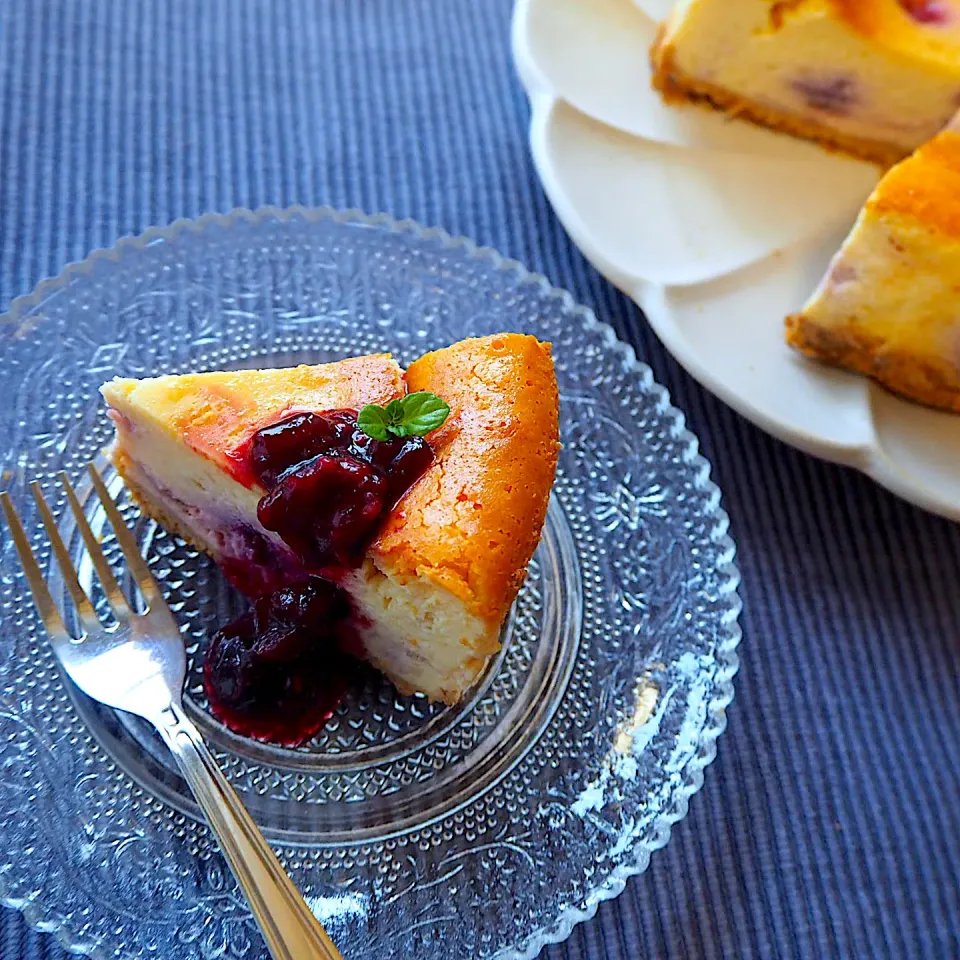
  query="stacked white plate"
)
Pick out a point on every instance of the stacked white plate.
point(717, 229)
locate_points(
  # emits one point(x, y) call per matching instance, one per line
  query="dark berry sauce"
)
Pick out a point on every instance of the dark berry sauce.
point(325, 508)
point(278, 672)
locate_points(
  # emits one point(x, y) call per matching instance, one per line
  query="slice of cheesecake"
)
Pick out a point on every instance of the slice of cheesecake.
point(426, 537)
point(889, 306)
point(873, 78)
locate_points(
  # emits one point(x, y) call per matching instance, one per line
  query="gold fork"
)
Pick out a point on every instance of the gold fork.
point(139, 666)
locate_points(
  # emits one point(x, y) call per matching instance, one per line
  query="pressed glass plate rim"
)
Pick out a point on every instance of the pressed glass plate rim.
point(37, 915)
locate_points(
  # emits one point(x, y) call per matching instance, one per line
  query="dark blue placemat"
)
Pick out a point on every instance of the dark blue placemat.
point(830, 824)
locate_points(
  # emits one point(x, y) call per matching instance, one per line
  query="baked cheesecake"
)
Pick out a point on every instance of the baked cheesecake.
point(889, 306)
point(408, 546)
point(872, 78)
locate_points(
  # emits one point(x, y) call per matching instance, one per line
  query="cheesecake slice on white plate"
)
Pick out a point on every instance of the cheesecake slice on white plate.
point(889, 306)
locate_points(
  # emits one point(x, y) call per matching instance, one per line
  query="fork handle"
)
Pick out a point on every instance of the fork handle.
point(290, 929)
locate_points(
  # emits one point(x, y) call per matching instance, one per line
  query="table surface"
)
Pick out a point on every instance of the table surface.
point(829, 825)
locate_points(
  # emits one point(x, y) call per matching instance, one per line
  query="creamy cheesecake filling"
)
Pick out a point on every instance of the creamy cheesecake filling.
point(213, 512)
point(899, 282)
point(254, 560)
point(415, 631)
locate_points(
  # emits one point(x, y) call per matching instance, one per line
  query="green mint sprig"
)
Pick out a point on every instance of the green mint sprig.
point(414, 415)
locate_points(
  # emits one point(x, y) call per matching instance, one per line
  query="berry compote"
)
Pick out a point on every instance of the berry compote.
point(277, 673)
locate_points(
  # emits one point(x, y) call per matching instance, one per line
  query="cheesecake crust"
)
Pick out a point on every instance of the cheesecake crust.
point(676, 86)
point(923, 379)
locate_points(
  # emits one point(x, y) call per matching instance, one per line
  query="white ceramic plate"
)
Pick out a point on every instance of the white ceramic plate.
point(718, 230)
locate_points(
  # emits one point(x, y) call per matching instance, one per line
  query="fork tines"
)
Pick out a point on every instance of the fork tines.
point(38, 585)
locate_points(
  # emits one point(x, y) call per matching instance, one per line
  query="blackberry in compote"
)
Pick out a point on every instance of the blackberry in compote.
point(291, 441)
point(325, 508)
point(277, 672)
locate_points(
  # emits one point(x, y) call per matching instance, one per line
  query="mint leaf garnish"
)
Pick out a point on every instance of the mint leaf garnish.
point(414, 415)
point(373, 421)
point(394, 411)
point(422, 412)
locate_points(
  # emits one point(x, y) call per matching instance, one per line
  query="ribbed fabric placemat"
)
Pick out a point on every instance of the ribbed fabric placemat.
point(830, 824)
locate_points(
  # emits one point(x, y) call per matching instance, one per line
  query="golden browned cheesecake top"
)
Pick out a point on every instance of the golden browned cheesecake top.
point(472, 522)
point(926, 29)
point(925, 186)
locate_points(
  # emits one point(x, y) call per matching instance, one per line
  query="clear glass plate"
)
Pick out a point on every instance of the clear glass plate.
point(483, 830)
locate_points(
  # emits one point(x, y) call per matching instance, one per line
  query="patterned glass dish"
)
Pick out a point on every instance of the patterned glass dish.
point(484, 830)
